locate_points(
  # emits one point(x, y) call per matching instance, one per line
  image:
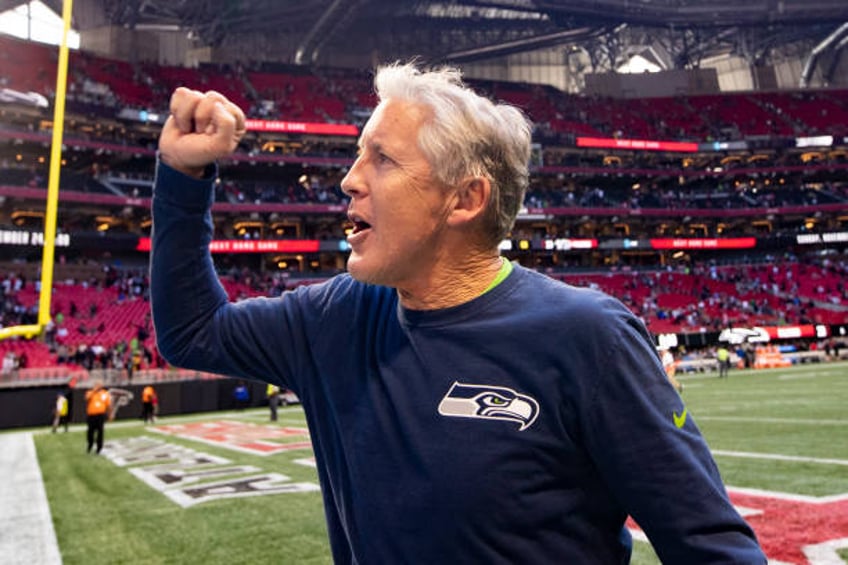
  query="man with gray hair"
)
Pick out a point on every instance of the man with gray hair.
point(462, 409)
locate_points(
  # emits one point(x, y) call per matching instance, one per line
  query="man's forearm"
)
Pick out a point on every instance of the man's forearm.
point(185, 291)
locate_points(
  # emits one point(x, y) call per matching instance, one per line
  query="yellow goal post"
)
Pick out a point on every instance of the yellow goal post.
point(48, 253)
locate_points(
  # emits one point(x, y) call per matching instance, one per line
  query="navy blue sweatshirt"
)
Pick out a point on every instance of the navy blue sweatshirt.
point(520, 427)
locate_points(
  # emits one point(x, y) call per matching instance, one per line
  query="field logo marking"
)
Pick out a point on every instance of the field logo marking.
point(791, 528)
point(826, 553)
point(307, 462)
point(188, 477)
point(245, 437)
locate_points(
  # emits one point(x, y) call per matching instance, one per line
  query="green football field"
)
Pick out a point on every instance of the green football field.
point(230, 488)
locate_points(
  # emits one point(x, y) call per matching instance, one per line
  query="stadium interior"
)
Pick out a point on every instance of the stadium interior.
point(708, 194)
point(690, 158)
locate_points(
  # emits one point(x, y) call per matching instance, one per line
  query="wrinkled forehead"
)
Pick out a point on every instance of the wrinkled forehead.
point(395, 115)
point(373, 121)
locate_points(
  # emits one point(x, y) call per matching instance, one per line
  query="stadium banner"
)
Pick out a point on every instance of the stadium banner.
point(704, 243)
point(765, 334)
point(555, 244)
point(31, 238)
point(143, 116)
point(251, 246)
point(815, 238)
point(568, 244)
point(723, 146)
point(132, 242)
point(797, 332)
point(626, 244)
point(637, 144)
point(302, 127)
point(814, 141)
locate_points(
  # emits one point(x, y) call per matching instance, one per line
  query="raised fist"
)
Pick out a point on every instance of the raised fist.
point(202, 128)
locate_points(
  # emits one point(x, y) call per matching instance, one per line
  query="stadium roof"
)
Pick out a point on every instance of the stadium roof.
point(679, 33)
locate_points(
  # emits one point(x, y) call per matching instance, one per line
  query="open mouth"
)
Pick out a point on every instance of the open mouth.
point(357, 224)
point(360, 226)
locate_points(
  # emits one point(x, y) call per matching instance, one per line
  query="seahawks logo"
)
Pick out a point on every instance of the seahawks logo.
point(489, 403)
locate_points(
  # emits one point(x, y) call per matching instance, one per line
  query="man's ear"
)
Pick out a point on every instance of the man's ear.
point(472, 197)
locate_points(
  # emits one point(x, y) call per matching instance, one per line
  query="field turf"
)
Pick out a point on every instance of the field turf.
point(780, 430)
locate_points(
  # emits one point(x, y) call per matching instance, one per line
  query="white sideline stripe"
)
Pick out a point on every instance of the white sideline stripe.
point(810, 421)
point(178, 419)
point(779, 457)
point(802, 376)
point(26, 526)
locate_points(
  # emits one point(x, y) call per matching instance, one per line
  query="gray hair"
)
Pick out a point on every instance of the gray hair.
point(469, 135)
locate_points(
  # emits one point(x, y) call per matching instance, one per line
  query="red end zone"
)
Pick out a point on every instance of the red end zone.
point(242, 436)
point(792, 528)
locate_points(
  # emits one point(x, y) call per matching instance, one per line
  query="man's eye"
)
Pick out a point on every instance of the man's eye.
point(383, 158)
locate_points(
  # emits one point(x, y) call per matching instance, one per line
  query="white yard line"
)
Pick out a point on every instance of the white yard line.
point(794, 376)
point(779, 457)
point(819, 369)
point(803, 421)
point(26, 527)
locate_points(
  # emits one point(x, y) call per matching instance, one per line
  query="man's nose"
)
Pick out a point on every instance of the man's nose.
point(352, 184)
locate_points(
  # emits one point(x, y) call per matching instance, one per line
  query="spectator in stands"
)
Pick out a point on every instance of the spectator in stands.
point(62, 354)
point(98, 405)
point(462, 409)
point(134, 362)
point(9, 365)
point(50, 334)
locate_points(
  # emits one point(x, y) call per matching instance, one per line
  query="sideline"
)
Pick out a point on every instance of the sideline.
point(26, 526)
point(258, 414)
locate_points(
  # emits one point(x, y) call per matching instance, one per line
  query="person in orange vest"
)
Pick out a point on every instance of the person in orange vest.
point(97, 408)
point(148, 403)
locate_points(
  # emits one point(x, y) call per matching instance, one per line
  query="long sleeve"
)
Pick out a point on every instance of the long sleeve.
point(653, 457)
point(196, 325)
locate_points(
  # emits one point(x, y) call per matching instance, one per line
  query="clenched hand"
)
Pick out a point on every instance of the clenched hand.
point(202, 128)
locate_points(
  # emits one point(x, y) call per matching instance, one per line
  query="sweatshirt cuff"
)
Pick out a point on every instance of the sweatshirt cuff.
point(178, 188)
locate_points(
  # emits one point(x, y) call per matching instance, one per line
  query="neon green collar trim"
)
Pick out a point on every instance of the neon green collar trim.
point(505, 270)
